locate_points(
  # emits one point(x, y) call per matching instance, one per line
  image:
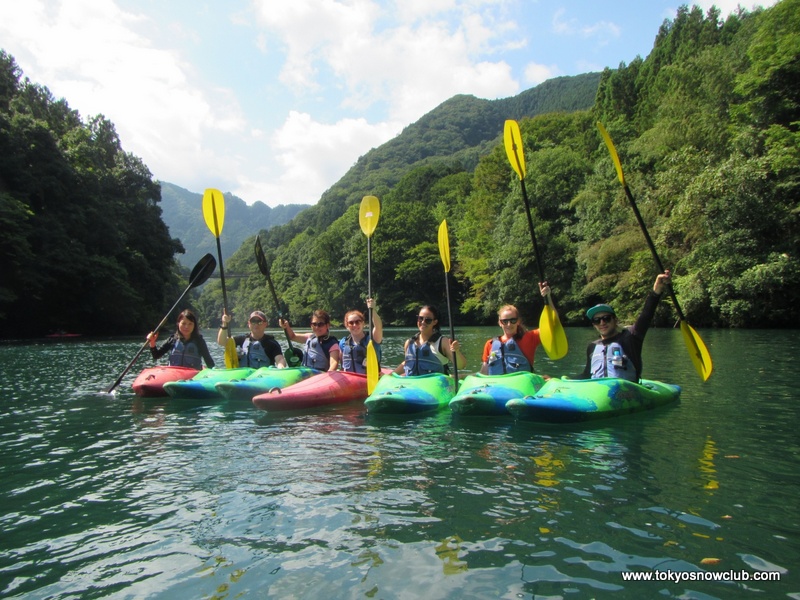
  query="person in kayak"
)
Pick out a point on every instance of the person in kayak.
point(354, 346)
point(513, 350)
point(428, 351)
point(186, 346)
point(256, 349)
point(321, 348)
point(618, 352)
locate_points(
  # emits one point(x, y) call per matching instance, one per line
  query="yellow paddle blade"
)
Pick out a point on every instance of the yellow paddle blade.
point(444, 245)
point(512, 139)
point(368, 214)
point(613, 151)
point(698, 352)
point(373, 370)
point(552, 334)
point(231, 358)
point(214, 210)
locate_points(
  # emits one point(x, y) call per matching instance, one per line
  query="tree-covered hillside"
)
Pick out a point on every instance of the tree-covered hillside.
point(181, 210)
point(707, 128)
point(84, 248)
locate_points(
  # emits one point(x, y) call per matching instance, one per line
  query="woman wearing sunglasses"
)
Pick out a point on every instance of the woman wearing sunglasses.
point(513, 350)
point(321, 348)
point(354, 346)
point(618, 352)
point(428, 351)
point(256, 349)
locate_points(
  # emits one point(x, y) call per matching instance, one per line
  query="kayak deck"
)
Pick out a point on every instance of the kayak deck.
point(568, 400)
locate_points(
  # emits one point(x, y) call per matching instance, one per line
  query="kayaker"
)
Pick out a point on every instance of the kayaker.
point(186, 346)
point(321, 348)
point(513, 350)
point(428, 351)
point(256, 349)
point(618, 352)
point(354, 346)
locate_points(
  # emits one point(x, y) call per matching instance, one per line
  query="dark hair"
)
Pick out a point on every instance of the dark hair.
point(188, 314)
point(321, 315)
point(435, 312)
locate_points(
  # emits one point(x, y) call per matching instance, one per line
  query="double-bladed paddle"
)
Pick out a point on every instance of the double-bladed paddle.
point(701, 359)
point(214, 215)
point(293, 355)
point(551, 332)
point(201, 272)
point(444, 253)
point(368, 214)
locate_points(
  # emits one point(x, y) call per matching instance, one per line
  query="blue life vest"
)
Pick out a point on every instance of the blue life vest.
point(610, 360)
point(185, 355)
point(317, 352)
point(507, 357)
point(354, 355)
point(253, 354)
point(426, 358)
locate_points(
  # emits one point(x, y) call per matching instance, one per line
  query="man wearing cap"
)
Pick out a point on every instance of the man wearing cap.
point(256, 349)
point(618, 352)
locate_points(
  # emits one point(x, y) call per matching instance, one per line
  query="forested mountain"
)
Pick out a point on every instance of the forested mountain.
point(182, 210)
point(84, 247)
point(707, 127)
point(708, 131)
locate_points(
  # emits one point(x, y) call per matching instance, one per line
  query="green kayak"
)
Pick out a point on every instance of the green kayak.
point(262, 381)
point(398, 394)
point(488, 394)
point(202, 385)
point(566, 400)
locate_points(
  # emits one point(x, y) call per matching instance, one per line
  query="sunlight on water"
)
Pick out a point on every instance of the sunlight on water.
point(109, 495)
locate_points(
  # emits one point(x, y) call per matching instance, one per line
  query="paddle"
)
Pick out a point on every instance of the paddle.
point(214, 214)
point(294, 356)
point(551, 332)
point(201, 272)
point(368, 214)
point(444, 252)
point(701, 359)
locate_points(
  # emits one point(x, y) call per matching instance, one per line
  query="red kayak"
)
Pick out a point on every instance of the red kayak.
point(150, 382)
point(329, 387)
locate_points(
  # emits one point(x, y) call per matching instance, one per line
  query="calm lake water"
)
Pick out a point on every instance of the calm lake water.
point(110, 496)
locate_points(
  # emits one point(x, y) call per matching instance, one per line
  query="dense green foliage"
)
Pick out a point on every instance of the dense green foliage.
point(181, 209)
point(707, 128)
point(84, 247)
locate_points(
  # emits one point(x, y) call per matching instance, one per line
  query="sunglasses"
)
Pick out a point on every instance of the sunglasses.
point(511, 321)
point(426, 320)
point(257, 321)
point(356, 322)
point(320, 324)
point(602, 319)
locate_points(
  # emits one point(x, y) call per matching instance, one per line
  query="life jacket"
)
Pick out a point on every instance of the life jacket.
point(317, 352)
point(354, 355)
point(610, 360)
point(425, 358)
point(185, 354)
point(507, 357)
point(254, 354)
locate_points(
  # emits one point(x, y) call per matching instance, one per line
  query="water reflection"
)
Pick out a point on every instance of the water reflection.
point(122, 497)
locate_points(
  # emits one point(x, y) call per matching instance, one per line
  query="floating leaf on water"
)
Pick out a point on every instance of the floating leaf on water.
point(731, 456)
point(710, 561)
point(726, 517)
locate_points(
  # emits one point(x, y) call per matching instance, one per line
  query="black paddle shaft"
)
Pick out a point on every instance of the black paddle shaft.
point(653, 251)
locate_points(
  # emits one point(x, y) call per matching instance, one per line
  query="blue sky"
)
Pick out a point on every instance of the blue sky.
point(274, 100)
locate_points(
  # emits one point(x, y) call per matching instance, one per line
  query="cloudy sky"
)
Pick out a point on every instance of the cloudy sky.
point(274, 100)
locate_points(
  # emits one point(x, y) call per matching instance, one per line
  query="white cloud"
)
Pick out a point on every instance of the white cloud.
point(313, 155)
point(536, 74)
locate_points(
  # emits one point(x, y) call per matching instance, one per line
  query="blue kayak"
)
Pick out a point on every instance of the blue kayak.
point(263, 380)
point(568, 400)
point(488, 394)
point(202, 385)
point(399, 394)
